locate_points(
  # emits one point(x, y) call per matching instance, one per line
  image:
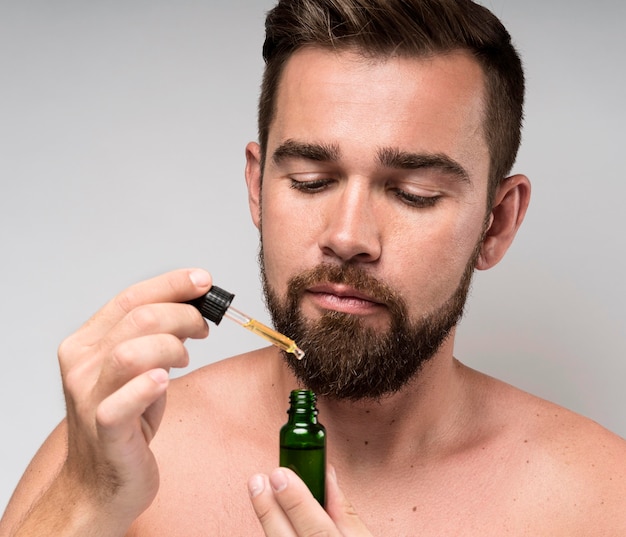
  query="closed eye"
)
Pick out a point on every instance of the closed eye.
point(312, 186)
point(415, 200)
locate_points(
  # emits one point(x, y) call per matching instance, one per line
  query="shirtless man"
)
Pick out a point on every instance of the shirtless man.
point(388, 129)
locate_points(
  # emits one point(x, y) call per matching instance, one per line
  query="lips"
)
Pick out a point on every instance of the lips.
point(342, 298)
point(342, 291)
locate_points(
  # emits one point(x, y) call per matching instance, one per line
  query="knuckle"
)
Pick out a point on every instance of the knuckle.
point(127, 300)
point(105, 419)
point(65, 350)
point(264, 514)
point(173, 281)
point(349, 509)
point(123, 356)
point(76, 377)
point(145, 319)
point(72, 380)
point(312, 529)
point(169, 349)
point(173, 346)
point(293, 505)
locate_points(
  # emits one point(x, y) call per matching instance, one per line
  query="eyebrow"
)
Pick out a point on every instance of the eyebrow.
point(304, 150)
point(388, 157)
point(394, 158)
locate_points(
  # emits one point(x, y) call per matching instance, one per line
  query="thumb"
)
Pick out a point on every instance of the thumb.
point(341, 510)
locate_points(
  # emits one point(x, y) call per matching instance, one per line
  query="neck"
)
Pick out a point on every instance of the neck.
point(429, 415)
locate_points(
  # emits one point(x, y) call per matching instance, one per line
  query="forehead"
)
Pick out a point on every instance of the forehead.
point(431, 104)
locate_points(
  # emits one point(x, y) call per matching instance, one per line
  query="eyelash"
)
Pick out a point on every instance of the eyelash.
point(310, 186)
point(412, 200)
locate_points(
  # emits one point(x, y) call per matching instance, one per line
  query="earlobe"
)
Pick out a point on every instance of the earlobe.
point(253, 181)
point(509, 208)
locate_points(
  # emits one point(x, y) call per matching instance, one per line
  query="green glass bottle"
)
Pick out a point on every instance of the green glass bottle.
point(303, 443)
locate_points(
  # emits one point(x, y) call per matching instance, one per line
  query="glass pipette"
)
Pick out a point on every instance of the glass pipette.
point(216, 304)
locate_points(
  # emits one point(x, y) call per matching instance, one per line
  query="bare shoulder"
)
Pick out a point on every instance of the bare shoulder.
point(219, 428)
point(236, 380)
point(578, 441)
point(588, 463)
point(221, 395)
point(568, 460)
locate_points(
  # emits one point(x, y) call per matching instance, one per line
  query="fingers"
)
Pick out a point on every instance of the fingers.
point(116, 415)
point(142, 329)
point(115, 377)
point(272, 518)
point(286, 508)
point(133, 348)
point(111, 349)
point(179, 320)
point(175, 286)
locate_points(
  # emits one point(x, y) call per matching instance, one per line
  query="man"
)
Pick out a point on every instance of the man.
point(387, 130)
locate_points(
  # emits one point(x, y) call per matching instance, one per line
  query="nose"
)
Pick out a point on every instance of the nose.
point(351, 230)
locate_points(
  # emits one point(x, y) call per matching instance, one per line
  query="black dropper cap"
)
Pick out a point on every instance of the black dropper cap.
point(214, 304)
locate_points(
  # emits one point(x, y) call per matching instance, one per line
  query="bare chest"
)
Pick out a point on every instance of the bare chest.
point(204, 499)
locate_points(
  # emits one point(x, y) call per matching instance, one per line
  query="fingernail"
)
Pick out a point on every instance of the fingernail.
point(200, 278)
point(256, 485)
point(278, 480)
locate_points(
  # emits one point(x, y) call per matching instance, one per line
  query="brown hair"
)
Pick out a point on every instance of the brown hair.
point(406, 28)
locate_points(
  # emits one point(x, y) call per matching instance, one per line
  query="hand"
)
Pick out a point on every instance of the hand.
point(286, 507)
point(115, 376)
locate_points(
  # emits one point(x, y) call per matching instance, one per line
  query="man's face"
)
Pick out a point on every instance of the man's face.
point(373, 207)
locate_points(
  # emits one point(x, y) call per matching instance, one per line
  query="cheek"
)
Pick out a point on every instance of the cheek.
point(430, 264)
point(285, 236)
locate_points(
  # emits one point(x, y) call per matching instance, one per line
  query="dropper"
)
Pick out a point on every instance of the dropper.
point(216, 304)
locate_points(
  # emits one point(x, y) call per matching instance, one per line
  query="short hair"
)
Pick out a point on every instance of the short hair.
point(409, 28)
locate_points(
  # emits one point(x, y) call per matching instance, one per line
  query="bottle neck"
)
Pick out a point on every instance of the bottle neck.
point(302, 407)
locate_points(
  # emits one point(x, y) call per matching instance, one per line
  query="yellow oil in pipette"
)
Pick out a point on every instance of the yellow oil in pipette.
point(216, 304)
point(271, 335)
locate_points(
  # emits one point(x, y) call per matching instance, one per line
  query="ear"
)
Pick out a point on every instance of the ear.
point(253, 181)
point(509, 207)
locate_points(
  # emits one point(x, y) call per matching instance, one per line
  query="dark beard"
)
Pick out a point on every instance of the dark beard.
point(347, 360)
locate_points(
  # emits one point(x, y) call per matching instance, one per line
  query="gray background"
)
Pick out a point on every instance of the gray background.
point(122, 128)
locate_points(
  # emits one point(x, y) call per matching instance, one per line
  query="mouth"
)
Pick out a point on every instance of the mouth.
point(343, 298)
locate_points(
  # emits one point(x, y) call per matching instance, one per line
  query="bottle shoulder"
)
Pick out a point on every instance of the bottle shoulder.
point(307, 435)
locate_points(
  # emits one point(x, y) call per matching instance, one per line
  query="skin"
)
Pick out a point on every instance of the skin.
point(453, 452)
point(362, 191)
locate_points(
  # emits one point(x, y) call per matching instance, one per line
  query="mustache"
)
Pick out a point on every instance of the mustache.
point(346, 274)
